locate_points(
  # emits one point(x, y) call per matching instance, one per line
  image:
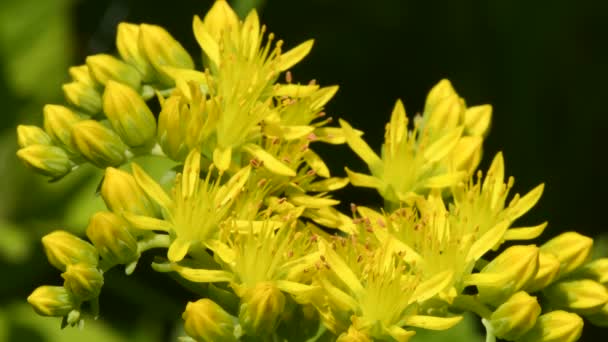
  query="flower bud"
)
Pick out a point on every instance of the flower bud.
point(53, 301)
point(63, 248)
point(120, 192)
point(161, 49)
point(98, 144)
point(508, 273)
point(466, 154)
point(104, 67)
point(110, 234)
point(83, 96)
point(31, 135)
point(58, 123)
point(129, 115)
point(127, 43)
point(206, 321)
point(513, 318)
point(446, 114)
point(548, 270)
point(555, 326)
point(599, 318)
point(353, 335)
point(83, 281)
point(581, 296)
point(81, 74)
point(571, 249)
point(261, 309)
point(596, 270)
point(440, 91)
point(170, 133)
point(48, 160)
point(477, 120)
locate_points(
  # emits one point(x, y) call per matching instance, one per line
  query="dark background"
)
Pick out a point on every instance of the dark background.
point(543, 65)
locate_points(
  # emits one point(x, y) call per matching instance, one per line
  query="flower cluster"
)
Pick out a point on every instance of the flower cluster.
point(247, 217)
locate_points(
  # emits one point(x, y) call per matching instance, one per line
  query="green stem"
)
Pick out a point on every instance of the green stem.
point(489, 330)
point(156, 241)
point(470, 303)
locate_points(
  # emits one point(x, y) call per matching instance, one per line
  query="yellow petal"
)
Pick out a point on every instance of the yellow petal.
point(147, 223)
point(150, 187)
point(445, 180)
point(202, 276)
point(250, 34)
point(293, 56)
point(222, 157)
point(363, 180)
point(322, 96)
point(316, 163)
point(400, 334)
point(431, 322)
point(178, 249)
point(477, 120)
point(525, 233)
point(270, 162)
point(361, 148)
point(444, 145)
point(234, 186)
point(397, 127)
point(523, 204)
point(429, 288)
point(206, 41)
point(312, 202)
point(329, 184)
point(340, 268)
point(294, 90)
point(487, 241)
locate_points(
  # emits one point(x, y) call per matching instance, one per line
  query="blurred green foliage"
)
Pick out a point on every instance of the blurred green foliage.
point(542, 65)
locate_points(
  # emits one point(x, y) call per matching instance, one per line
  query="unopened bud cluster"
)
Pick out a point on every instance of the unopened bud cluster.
point(248, 211)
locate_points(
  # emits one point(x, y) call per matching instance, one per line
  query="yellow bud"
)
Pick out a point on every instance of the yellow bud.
point(596, 270)
point(261, 309)
point(48, 160)
point(32, 135)
point(161, 49)
point(477, 120)
point(110, 234)
point(170, 133)
point(571, 249)
point(440, 91)
point(53, 301)
point(580, 296)
point(127, 43)
point(83, 96)
point(83, 281)
point(82, 74)
point(599, 318)
point(548, 270)
point(63, 249)
point(98, 144)
point(120, 192)
point(508, 273)
point(555, 326)
point(353, 335)
point(466, 154)
point(513, 318)
point(206, 321)
point(58, 123)
point(446, 113)
point(129, 115)
point(105, 67)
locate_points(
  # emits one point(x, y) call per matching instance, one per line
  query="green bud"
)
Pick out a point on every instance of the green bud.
point(110, 234)
point(555, 326)
point(261, 309)
point(120, 192)
point(82, 74)
point(127, 43)
point(161, 49)
point(206, 321)
point(571, 249)
point(48, 160)
point(83, 281)
point(98, 144)
point(83, 96)
point(58, 123)
point(53, 301)
point(580, 296)
point(513, 318)
point(508, 273)
point(63, 249)
point(129, 115)
point(105, 67)
point(548, 270)
point(596, 270)
point(599, 318)
point(31, 135)
point(170, 132)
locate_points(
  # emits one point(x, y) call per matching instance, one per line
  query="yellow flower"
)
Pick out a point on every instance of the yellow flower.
point(193, 213)
point(379, 290)
point(481, 206)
